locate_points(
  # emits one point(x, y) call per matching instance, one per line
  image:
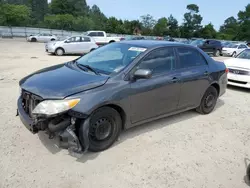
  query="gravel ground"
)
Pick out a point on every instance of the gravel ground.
point(185, 150)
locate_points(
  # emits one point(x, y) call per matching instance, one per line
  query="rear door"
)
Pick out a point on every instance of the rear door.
point(194, 76)
point(159, 94)
point(84, 45)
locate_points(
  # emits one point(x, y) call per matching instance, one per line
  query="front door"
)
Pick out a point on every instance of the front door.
point(194, 76)
point(159, 94)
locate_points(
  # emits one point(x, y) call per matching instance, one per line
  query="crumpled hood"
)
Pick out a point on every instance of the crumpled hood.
point(60, 81)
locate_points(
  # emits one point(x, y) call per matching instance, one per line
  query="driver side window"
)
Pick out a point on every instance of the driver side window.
point(159, 61)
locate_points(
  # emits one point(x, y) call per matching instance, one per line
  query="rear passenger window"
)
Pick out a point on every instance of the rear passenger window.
point(93, 34)
point(86, 39)
point(100, 34)
point(190, 58)
point(159, 61)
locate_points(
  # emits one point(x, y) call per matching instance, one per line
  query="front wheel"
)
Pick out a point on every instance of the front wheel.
point(59, 51)
point(208, 101)
point(105, 127)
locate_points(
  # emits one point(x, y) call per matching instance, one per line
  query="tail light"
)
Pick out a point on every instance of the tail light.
point(122, 38)
point(226, 70)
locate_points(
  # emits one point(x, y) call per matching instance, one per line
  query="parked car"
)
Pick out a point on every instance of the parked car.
point(71, 45)
point(209, 46)
point(138, 38)
point(41, 38)
point(233, 49)
point(239, 69)
point(87, 102)
point(101, 37)
point(225, 43)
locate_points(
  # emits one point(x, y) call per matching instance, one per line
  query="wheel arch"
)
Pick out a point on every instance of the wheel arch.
point(216, 86)
point(118, 108)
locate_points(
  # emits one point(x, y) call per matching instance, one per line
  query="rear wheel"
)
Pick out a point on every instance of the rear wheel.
point(217, 53)
point(33, 39)
point(59, 51)
point(208, 101)
point(53, 39)
point(105, 127)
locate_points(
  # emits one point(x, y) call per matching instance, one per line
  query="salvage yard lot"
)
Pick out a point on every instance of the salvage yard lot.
point(185, 150)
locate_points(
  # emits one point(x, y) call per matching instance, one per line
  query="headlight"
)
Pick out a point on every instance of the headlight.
point(51, 107)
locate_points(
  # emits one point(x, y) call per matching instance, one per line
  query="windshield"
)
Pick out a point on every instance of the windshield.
point(244, 55)
point(197, 42)
point(111, 58)
point(232, 46)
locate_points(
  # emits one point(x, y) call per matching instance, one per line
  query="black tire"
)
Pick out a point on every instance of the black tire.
point(53, 39)
point(217, 53)
point(59, 51)
point(104, 129)
point(111, 41)
point(33, 40)
point(92, 49)
point(208, 101)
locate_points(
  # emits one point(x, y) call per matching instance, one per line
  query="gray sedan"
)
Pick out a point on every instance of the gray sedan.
point(72, 45)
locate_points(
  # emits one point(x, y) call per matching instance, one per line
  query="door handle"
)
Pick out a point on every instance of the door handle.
point(174, 79)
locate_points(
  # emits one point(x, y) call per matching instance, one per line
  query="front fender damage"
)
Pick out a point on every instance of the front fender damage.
point(71, 133)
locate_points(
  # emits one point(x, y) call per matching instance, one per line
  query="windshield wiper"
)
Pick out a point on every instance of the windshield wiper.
point(88, 67)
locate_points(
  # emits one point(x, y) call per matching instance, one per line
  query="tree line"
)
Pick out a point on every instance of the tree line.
point(78, 16)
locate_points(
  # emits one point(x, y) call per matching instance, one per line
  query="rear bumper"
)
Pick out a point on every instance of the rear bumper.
point(239, 80)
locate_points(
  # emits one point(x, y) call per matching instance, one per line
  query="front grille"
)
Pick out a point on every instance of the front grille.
point(29, 102)
point(237, 82)
point(237, 71)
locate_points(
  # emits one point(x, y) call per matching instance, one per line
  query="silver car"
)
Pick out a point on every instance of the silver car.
point(72, 45)
point(42, 38)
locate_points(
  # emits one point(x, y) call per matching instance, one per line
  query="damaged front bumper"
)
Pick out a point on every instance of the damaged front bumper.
point(71, 131)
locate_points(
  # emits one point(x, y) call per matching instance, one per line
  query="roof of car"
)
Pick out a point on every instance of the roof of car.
point(152, 43)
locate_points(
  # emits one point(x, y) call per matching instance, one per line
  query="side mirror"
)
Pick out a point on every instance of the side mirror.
point(67, 41)
point(142, 74)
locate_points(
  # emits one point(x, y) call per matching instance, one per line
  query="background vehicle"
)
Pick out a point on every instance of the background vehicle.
point(233, 49)
point(209, 46)
point(71, 45)
point(239, 69)
point(88, 101)
point(101, 37)
point(42, 38)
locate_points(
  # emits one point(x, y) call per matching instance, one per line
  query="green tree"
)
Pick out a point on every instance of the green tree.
point(148, 24)
point(39, 9)
point(229, 30)
point(74, 7)
point(244, 20)
point(59, 21)
point(83, 23)
point(98, 17)
point(161, 27)
point(192, 21)
point(14, 15)
point(173, 26)
point(208, 31)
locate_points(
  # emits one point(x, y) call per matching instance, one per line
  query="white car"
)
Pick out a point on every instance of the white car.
point(239, 69)
point(233, 49)
point(72, 45)
point(101, 37)
point(42, 38)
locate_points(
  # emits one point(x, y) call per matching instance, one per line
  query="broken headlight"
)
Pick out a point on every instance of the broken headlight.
point(51, 107)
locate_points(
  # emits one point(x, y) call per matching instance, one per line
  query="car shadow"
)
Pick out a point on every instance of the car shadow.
point(51, 144)
point(235, 88)
point(247, 176)
point(164, 122)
